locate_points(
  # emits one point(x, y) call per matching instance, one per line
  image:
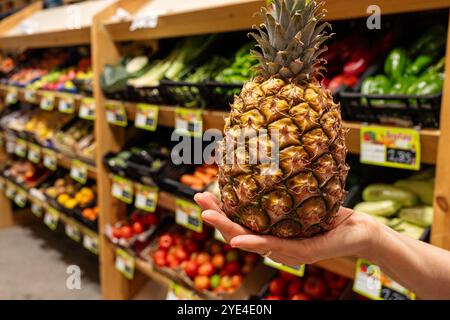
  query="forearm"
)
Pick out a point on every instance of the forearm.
point(416, 265)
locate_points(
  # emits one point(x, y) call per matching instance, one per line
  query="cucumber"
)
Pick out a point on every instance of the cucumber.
point(424, 189)
point(409, 229)
point(137, 66)
point(381, 191)
point(420, 215)
point(384, 208)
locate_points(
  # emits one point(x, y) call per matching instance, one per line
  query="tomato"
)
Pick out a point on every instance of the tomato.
point(201, 283)
point(206, 269)
point(160, 257)
point(181, 254)
point(232, 268)
point(277, 287)
point(116, 232)
point(236, 281)
point(126, 232)
point(218, 260)
point(203, 257)
point(273, 297)
point(172, 261)
point(215, 248)
point(287, 276)
point(138, 227)
point(315, 287)
point(191, 246)
point(150, 219)
point(191, 269)
point(165, 241)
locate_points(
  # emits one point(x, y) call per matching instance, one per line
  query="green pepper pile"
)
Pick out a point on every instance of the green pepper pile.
point(415, 71)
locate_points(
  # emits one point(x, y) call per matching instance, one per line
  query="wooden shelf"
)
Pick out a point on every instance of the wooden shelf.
point(239, 15)
point(35, 27)
point(66, 162)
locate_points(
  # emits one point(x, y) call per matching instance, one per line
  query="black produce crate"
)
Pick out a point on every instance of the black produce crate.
point(221, 95)
point(185, 94)
point(113, 169)
point(169, 180)
point(144, 94)
point(402, 110)
point(83, 86)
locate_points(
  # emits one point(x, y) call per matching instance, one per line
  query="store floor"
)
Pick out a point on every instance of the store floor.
point(33, 264)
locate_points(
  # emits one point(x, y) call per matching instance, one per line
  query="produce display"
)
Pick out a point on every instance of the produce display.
point(301, 198)
point(417, 70)
point(203, 264)
point(76, 138)
point(405, 206)
point(201, 178)
point(70, 194)
point(317, 284)
point(25, 173)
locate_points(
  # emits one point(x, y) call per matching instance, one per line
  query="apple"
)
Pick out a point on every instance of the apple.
point(181, 254)
point(315, 287)
point(116, 232)
point(232, 268)
point(225, 282)
point(232, 255)
point(215, 281)
point(150, 219)
point(300, 296)
point(215, 248)
point(191, 269)
point(203, 257)
point(294, 287)
point(201, 283)
point(165, 241)
point(277, 287)
point(190, 246)
point(160, 258)
point(138, 228)
point(236, 281)
point(206, 269)
point(178, 239)
point(218, 260)
point(172, 261)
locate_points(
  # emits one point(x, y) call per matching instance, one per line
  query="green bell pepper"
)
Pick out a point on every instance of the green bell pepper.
point(430, 42)
point(379, 84)
point(422, 62)
point(396, 63)
point(402, 85)
point(437, 67)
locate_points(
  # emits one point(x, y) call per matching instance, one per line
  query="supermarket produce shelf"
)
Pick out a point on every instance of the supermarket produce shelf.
point(34, 27)
point(228, 16)
point(66, 162)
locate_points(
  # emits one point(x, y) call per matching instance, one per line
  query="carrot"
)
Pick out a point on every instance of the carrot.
point(189, 179)
point(203, 177)
point(197, 186)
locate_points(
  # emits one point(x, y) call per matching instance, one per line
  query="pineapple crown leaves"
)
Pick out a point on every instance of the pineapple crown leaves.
point(291, 40)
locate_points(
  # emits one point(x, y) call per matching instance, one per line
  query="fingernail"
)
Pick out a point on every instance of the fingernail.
point(197, 196)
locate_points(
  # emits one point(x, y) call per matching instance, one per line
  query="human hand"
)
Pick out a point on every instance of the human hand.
point(355, 234)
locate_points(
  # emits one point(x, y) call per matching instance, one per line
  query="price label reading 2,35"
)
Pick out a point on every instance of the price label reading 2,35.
point(390, 147)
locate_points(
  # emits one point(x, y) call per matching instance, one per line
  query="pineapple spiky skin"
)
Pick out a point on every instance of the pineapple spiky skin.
point(300, 195)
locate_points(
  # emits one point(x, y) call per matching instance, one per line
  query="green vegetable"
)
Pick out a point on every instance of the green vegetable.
point(385, 208)
point(136, 67)
point(432, 41)
point(396, 63)
point(409, 229)
point(422, 62)
point(428, 83)
point(424, 189)
point(402, 85)
point(113, 78)
point(425, 174)
point(379, 84)
point(420, 215)
point(381, 191)
point(437, 67)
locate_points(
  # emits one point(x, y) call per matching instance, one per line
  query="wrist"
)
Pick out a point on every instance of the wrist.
point(370, 244)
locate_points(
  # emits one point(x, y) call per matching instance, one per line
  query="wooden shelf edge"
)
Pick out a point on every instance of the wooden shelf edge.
point(343, 266)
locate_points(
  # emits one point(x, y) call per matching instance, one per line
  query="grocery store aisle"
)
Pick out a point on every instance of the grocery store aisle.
point(33, 263)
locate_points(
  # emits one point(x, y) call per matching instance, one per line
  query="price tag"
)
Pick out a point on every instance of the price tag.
point(72, 230)
point(10, 190)
point(390, 147)
point(20, 197)
point(34, 153)
point(299, 271)
point(37, 209)
point(66, 104)
point(87, 109)
point(146, 117)
point(49, 159)
point(78, 171)
point(11, 96)
point(47, 101)
point(188, 215)
point(51, 218)
point(20, 148)
point(30, 95)
point(218, 236)
point(178, 292)
point(373, 284)
point(122, 189)
point(116, 114)
point(146, 197)
point(189, 122)
point(90, 241)
point(125, 263)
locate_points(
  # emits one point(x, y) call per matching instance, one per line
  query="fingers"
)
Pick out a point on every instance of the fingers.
point(208, 201)
point(255, 243)
point(228, 228)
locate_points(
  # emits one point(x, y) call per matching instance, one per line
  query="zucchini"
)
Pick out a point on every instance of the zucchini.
point(420, 215)
point(381, 191)
point(384, 208)
point(409, 229)
point(424, 189)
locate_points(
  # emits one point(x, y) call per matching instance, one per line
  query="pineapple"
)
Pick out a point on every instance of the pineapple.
point(300, 195)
